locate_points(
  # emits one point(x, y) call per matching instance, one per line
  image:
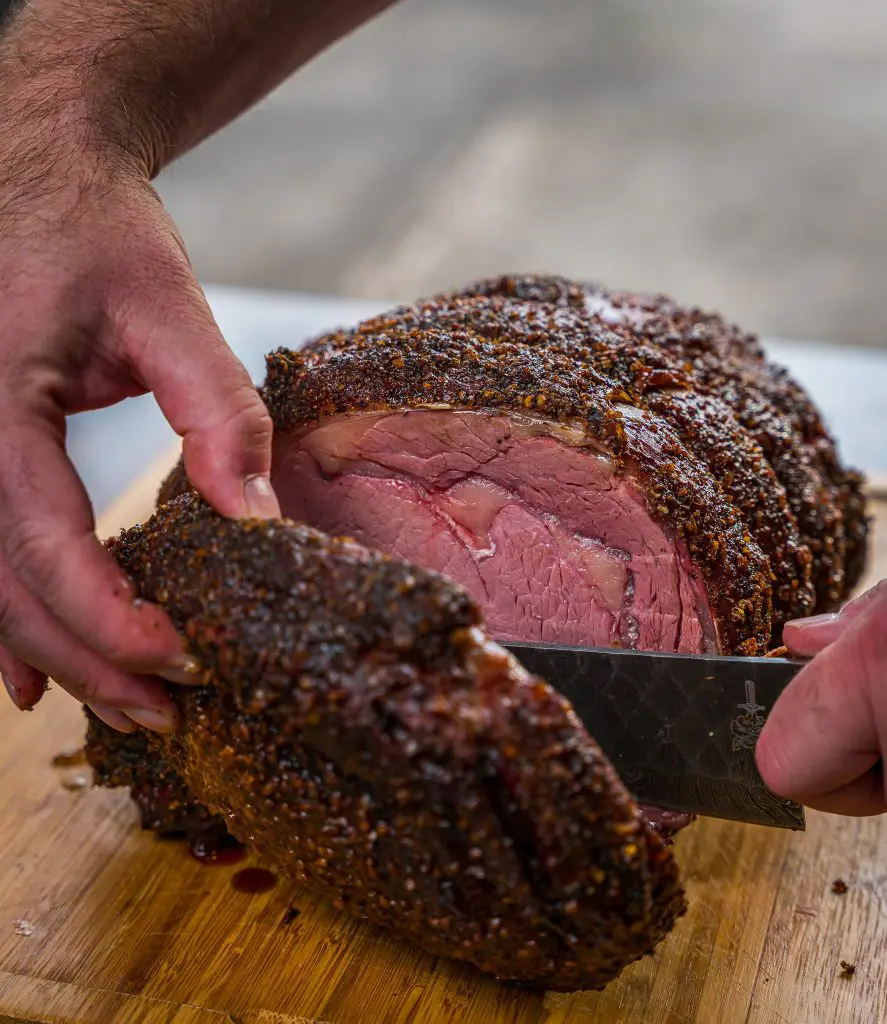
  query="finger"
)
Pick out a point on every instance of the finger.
point(24, 684)
point(206, 395)
point(112, 717)
point(829, 727)
point(807, 637)
point(30, 633)
point(48, 545)
point(861, 798)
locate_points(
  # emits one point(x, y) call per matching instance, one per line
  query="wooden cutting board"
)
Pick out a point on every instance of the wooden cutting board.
point(100, 923)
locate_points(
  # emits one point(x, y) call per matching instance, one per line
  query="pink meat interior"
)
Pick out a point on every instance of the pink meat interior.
point(552, 543)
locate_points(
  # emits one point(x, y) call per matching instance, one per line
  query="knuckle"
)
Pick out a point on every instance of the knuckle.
point(248, 416)
point(832, 678)
point(30, 554)
point(85, 689)
point(257, 423)
point(88, 690)
point(113, 650)
point(164, 292)
point(243, 426)
point(126, 642)
point(7, 611)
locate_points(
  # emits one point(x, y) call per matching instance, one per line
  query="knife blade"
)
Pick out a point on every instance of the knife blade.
point(679, 729)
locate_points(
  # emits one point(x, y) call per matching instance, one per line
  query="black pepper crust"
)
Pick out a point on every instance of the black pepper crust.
point(175, 485)
point(357, 728)
point(826, 498)
point(165, 803)
point(780, 416)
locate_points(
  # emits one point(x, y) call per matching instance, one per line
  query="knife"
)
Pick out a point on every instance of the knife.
point(680, 730)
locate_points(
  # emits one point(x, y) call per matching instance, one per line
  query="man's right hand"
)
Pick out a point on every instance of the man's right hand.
point(98, 303)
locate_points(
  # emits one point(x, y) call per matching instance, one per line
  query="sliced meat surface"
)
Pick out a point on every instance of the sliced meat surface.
point(551, 542)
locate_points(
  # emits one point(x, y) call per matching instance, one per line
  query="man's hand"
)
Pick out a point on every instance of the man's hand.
point(825, 742)
point(98, 303)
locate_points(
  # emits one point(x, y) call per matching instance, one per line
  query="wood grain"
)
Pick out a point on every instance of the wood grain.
point(127, 928)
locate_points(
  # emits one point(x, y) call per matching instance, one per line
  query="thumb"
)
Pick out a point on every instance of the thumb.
point(208, 398)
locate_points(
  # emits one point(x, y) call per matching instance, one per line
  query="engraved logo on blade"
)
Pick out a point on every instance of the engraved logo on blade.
point(746, 728)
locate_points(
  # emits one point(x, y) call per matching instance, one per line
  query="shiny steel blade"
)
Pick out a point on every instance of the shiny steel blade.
point(679, 729)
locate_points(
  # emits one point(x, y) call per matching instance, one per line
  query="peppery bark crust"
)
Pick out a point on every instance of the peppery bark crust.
point(826, 498)
point(165, 803)
point(359, 730)
point(175, 485)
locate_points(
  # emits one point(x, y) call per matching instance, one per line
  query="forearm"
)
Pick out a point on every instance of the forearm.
point(158, 76)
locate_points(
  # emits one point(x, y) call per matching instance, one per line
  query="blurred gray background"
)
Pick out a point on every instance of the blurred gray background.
point(732, 153)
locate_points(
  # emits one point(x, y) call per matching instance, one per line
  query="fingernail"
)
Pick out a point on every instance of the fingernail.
point(153, 719)
point(808, 637)
point(12, 691)
point(113, 718)
point(815, 622)
point(261, 501)
point(190, 673)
